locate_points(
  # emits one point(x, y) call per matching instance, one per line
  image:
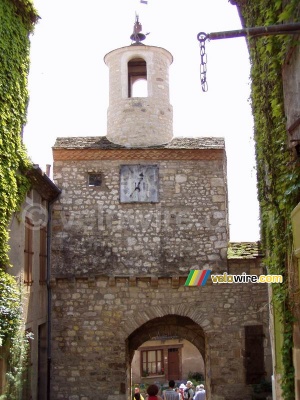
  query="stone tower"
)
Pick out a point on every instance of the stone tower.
point(139, 121)
point(138, 210)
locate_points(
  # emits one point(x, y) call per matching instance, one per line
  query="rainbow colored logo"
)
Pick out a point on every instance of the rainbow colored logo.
point(197, 277)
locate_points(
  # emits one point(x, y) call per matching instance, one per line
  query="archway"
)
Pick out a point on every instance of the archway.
point(137, 78)
point(167, 327)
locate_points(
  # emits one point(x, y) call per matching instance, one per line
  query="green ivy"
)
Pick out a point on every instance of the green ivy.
point(9, 307)
point(26, 11)
point(13, 337)
point(277, 171)
point(14, 49)
point(17, 19)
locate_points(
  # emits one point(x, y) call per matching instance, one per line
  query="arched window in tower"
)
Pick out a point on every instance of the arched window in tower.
point(137, 78)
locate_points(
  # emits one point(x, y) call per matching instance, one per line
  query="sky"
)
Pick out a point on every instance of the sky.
point(68, 81)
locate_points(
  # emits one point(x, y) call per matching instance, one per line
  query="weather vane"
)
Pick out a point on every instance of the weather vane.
point(137, 35)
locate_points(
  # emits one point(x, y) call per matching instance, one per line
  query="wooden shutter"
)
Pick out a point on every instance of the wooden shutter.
point(43, 255)
point(28, 253)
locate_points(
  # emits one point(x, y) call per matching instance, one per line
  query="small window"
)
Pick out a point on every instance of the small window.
point(137, 78)
point(94, 180)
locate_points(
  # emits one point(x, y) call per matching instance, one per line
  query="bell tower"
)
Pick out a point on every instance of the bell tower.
point(139, 112)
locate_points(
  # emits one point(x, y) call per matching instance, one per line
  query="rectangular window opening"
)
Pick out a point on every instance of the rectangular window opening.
point(95, 180)
point(152, 363)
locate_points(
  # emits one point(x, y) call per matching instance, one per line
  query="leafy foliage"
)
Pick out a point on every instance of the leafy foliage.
point(26, 11)
point(196, 376)
point(277, 172)
point(9, 307)
point(14, 46)
point(17, 18)
point(13, 337)
point(18, 363)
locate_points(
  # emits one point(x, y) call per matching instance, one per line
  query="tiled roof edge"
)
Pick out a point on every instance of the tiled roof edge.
point(101, 142)
point(244, 250)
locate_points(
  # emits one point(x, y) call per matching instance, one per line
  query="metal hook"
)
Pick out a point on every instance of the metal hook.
point(202, 36)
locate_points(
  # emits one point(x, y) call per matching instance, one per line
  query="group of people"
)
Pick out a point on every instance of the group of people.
point(187, 392)
point(184, 392)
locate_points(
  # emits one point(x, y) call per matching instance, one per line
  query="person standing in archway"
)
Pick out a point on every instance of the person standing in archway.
point(137, 394)
point(181, 390)
point(152, 391)
point(200, 393)
point(170, 394)
point(188, 391)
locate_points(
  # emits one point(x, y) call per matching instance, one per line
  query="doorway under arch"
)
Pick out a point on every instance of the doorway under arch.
point(163, 358)
point(167, 328)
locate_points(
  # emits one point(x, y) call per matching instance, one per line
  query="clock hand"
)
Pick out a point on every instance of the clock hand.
point(137, 185)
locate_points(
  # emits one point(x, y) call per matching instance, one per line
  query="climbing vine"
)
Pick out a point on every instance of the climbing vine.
point(13, 336)
point(17, 19)
point(278, 172)
point(14, 45)
point(9, 307)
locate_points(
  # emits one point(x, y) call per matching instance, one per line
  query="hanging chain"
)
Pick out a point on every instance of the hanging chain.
point(203, 68)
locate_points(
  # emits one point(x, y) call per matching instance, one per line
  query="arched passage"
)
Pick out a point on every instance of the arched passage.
point(168, 326)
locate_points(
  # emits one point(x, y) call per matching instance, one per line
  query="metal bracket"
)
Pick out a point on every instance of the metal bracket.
point(280, 29)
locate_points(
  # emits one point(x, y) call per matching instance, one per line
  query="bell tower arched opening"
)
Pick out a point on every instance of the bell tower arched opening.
point(176, 338)
point(137, 78)
point(139, 112)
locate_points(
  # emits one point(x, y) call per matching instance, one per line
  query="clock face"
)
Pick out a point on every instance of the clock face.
point(139, 183)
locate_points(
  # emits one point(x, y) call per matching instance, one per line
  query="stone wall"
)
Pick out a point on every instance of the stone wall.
point(95, 234)
point(118, 270)
point(98, 323)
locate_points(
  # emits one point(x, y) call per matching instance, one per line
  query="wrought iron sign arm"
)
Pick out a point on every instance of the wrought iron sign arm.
point(282, 29)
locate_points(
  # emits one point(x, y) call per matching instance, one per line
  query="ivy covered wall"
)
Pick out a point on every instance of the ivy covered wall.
point(278, 169)
point(17, 19)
